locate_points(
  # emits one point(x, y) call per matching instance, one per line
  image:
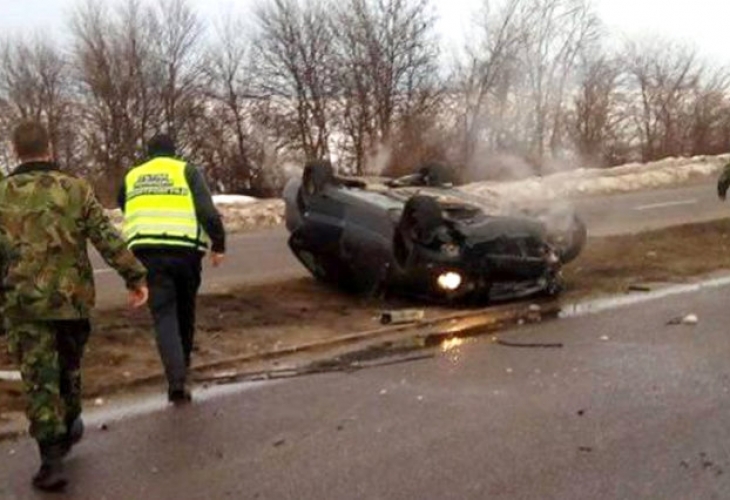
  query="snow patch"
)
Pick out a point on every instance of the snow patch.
point(233, 199)
point(596, 182)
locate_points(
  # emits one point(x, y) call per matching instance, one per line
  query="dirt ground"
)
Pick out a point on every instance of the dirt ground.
point(250, 320)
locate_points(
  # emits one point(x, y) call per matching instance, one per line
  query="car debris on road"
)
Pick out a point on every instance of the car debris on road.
point(689, 319)
point(396, 317)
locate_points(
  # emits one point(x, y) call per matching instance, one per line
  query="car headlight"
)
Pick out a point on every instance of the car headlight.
point(450, 249)
point(449, 281)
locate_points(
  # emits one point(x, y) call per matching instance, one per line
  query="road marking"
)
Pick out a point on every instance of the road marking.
point(654, 206)
point(104, 270)
point(598, 305)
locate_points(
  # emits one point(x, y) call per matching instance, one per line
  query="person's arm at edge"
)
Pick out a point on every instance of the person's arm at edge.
point(723, 182)
point(122, 195)
point(205, 209)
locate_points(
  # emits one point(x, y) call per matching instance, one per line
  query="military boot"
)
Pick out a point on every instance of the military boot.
point(179, 397)
point(50, 476)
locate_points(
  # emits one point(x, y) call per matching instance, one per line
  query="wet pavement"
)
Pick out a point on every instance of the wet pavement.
point(624, 405)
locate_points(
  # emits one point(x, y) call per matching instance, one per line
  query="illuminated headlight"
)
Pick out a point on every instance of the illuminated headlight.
point(450, 249)
point(449, 281)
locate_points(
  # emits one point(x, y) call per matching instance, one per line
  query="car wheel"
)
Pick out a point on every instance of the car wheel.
point(317, 175)
point(418, 223)
point(436, 174)
point(573, 241)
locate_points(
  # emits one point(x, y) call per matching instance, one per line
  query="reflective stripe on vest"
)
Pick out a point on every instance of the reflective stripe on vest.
point(159, 207)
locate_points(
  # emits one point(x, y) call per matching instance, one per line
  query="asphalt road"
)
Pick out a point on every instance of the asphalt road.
point(264, 255)
point(628, 408)
point(652, 209)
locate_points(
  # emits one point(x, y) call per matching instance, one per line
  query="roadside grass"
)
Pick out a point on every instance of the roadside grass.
point(610, 265)
point(275, 316)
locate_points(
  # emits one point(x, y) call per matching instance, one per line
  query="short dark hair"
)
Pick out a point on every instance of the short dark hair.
point(30, 140)
point(161, 145)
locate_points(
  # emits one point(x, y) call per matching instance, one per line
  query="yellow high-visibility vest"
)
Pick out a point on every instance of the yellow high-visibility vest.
point(159, 207)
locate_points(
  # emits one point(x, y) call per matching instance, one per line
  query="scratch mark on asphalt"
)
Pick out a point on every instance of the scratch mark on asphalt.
point(666, 204)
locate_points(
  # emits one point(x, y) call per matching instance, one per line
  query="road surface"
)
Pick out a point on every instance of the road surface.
point(628, 408)
point(652, 209)
point(264, 255)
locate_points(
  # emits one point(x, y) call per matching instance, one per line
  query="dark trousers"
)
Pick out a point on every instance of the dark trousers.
point(49, 355)
point(173, 278)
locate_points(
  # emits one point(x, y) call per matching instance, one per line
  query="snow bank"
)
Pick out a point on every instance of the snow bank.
point(596, 182)
point(233, 199)
point(243, 213)
point(258, 214)
point(238, 213)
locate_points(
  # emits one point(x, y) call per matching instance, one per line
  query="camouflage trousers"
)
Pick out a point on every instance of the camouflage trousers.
point(49, 355)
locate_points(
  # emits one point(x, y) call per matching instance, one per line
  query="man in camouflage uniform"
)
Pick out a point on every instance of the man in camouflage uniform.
point(46, 218)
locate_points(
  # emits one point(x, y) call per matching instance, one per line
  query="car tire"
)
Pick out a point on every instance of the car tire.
point(421, 216)
point(574, 241)
point(316, 177)
point(435, 175)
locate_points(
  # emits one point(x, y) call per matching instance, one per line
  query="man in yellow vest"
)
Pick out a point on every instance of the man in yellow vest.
point(170, 222)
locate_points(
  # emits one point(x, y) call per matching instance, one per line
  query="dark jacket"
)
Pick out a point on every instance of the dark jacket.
point(205, 210)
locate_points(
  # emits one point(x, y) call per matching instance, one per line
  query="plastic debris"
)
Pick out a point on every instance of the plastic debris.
point(401, 316)
point(689, 319)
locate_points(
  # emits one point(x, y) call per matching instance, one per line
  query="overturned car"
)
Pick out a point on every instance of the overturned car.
point(419, 236)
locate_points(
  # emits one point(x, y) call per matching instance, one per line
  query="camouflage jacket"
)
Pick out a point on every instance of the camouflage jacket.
point(46, 219)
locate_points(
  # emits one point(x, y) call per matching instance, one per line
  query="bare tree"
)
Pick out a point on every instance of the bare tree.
point(486, 77)
point(112, 52)
point(516, 81)
point(236, 149)
point(388, 71)
point(708, 112)
point(597, 111)
point(663, 76)
point(177, 62)
point(35, 84)
point(138, 72)
point(296, 48)
point(560, 31)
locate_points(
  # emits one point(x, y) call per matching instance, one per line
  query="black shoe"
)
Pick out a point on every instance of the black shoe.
point(50, 476)
point(179, 396)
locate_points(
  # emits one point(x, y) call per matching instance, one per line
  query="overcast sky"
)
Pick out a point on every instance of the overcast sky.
point(704, 23)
